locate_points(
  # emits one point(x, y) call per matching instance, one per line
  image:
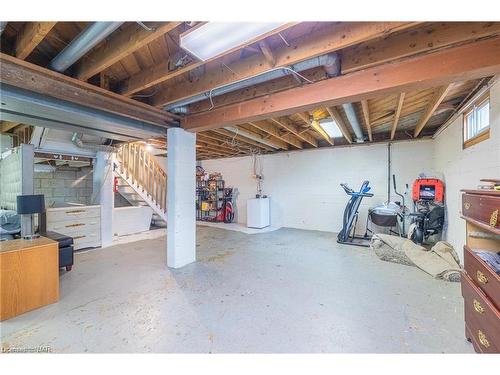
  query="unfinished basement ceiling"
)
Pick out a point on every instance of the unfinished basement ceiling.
point(148, 65)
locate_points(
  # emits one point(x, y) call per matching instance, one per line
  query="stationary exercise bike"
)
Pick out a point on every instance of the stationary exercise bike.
point(428, 218)
point(348, 233)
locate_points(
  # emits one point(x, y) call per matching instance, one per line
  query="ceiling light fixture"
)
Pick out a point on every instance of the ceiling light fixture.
point(331, 128)
point(212, 39)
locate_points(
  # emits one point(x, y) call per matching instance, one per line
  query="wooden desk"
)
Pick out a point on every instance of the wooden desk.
point(29, 275)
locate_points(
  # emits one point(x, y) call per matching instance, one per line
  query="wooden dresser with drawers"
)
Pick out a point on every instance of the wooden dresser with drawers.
point(480, 280)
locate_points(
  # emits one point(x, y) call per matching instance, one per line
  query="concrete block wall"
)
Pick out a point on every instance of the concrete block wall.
point(65, 185)
point(304, 186)
point(463, 168)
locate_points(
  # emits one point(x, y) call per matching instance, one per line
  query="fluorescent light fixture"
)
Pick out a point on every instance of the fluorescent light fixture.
point(331, 128)
point(212, 39)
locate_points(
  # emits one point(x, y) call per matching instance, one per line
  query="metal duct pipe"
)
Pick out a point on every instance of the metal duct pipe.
point(331, 63)
point(3, 24)
point(77, 141)
point(246, 134)
point(41, 110)
point(353, 120)
point(84, 42)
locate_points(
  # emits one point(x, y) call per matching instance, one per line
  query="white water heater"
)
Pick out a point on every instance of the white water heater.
point(258, 213)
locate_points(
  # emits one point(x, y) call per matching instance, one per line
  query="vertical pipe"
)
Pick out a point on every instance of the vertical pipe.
point(388, 172)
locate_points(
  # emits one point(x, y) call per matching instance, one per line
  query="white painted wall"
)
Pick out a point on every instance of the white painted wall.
point(464, 168)
point(304, 186)
point(130, 220)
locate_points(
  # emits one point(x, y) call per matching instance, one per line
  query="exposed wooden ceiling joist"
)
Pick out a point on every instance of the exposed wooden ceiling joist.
point(295, 130)
point(415, 41)
point(274, 131)
point(24, 75)
point(120, 45)
point(366, 115)
point(304, 116)
point(399, 107)
point(328, 39)
point(470, 61)
point(8, 125)
point(431, 107)
point(268, 53)
point(258, 135)
point(161, 72)
point(240, 138)
point(30, 36)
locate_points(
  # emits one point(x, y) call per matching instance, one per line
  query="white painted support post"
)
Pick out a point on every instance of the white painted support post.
point(181, 192)
point(103, 194)
point(27, 187)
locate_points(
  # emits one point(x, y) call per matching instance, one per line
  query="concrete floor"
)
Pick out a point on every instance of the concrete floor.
point(283, 291)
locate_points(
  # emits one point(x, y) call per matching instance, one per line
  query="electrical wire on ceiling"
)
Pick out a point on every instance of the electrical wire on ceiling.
point(286, 68)
point(284, 40)
point(144, 95)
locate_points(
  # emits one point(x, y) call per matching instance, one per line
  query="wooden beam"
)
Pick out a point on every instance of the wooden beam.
point(418, 40)
point(399, 107)
point(431, 107)
point(240, 138)
point(161, 72)
point(295, 130)
point(30, 36)
point(8, 125)
point(120, 45)
point(330, 38)
point(470, 61)
point(21, 74)
point(268, 54)
point(273, 130)
point(335, 115)
point(304, 116)
point(366, 114)
point(257, 136)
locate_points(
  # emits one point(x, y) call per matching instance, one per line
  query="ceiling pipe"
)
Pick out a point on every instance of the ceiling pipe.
point(249, 135)
point(3, 25)
point(353, 120)
point(77, 141)
point(330, 62)
point(84, 42)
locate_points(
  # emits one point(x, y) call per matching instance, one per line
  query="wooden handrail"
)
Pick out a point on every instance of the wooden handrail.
point(142, 169)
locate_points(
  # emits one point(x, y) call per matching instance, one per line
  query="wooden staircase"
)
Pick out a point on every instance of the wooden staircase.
point(145, 179)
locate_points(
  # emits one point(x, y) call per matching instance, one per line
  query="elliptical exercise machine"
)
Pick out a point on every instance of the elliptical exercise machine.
point(348, 233)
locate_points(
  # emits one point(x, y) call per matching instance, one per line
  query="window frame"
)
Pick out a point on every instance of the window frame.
point(483, 134)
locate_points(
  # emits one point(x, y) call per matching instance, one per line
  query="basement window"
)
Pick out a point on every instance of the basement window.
point(477, 122)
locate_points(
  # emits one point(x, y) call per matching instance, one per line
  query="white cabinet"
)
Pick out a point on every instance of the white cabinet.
point(83, 223)
point(258, 213)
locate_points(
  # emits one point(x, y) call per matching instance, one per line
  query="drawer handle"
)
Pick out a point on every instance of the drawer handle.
point(74, 225)
point(467, 205)
point(482, 339)
point(494, 218)
point(478, 307)
point(78, 237)
point(481, 277)
point(76, 212)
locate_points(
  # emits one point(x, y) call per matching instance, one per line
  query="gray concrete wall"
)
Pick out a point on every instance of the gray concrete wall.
point(65, 185)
